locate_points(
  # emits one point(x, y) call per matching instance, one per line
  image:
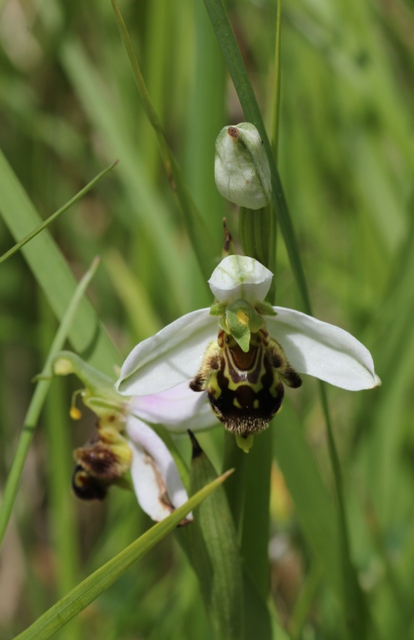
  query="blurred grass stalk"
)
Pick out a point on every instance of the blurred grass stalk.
point(62, 519)
point(94, 585)
point(37, 402)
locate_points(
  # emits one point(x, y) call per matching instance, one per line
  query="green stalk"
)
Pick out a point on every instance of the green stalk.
point(353, 596)
point(37, 402)
point(255, 231)
point(235, 458)
point(357, 616)
point(235, 64)
point(213, 550)
point(256, 514)
point(206, 117)
point(61, 513)
point(274, 141)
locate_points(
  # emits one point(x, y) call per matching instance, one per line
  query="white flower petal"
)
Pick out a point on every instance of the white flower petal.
point(172, 356)
point(323, 350)
point(154, 472)
point(178, 409)
point(240, 277)
point(146, 485)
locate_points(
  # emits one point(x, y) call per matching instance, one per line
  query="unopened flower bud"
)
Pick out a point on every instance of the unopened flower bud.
point(241, 166)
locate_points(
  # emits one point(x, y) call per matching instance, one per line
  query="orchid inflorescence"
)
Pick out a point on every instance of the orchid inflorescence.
point(227, 363)
point(236, 356)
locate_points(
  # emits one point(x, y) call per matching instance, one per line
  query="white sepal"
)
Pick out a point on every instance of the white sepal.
point(323, 350)
point(171, 356)
point(177, 409)
point(154, 472)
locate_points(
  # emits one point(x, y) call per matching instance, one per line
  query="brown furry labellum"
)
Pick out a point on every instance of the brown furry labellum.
point(245, 389)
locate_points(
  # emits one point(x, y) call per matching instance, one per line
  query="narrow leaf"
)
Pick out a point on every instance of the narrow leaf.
point(87, 591)
point(212, 545)
point(197, 229)
point(50, 269)
point(57, 213)
point(36, 404)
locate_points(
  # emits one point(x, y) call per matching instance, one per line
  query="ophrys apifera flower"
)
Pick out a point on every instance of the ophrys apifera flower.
point(242, 351)
point(125, 442)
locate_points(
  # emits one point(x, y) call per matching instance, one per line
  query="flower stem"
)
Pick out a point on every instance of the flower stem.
point(248, 493)
point(255, 232)
point(235, 458)
point(274, 143)
point(356, 611)
point(256, 516)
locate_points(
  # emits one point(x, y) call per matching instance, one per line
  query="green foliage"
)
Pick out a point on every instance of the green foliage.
point(345, 158)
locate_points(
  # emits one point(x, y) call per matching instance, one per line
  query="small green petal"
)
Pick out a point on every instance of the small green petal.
point(265, 309)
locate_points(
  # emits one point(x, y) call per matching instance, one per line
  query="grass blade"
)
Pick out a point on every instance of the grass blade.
point(90, 588)
point(197, 229)
point(57, 213)
point(37, 402)
point(49, 267)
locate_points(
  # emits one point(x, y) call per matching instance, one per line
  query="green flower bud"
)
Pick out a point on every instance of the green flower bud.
point(241, 166)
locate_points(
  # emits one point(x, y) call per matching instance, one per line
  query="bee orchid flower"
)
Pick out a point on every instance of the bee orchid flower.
point(124, 441)
point(242, 351)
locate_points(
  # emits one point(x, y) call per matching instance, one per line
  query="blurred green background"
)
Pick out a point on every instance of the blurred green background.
point(69, 107)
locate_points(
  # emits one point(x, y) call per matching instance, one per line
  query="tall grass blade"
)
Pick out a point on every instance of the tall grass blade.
point(92, 587)
point(213, 548)
point(197, 229)
point(36, 404)
point(57, 213)
point(50, 269)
